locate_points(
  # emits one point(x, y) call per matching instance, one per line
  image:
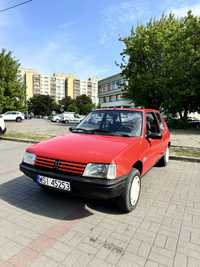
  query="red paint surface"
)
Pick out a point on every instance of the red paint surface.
point(89, 148)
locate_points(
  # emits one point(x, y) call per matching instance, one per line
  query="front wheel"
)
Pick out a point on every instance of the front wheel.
point(130, 197)
point(165, 159)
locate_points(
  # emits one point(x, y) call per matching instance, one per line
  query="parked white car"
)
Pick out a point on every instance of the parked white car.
point(57, 118)
point(2, 125)
point(67, 116)
point(76, 119)
point(13, 116)
point(71, 117)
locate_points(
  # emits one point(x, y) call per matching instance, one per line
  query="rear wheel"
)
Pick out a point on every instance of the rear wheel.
point(18, 119)
point(165, 159)
point(130, 197)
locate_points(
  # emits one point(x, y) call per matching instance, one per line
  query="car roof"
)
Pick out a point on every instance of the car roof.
point(131, 109)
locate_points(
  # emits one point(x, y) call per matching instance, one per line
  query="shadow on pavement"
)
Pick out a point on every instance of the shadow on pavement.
point(25, 194)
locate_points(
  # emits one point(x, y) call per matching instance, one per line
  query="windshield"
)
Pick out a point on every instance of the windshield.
point(113, 122)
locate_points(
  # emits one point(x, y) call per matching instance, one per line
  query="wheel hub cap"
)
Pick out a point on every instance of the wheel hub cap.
point(135, 190)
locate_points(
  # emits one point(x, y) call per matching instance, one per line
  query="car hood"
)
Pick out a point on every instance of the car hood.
point(83, 148)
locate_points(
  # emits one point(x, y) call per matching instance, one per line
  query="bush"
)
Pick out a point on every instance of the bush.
point(178, 124)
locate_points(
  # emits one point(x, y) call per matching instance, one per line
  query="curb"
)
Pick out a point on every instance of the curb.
point(29, 141)
point(188, 159)
point(186, 148)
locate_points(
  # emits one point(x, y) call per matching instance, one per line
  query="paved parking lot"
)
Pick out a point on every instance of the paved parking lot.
point(41, 127)
point(37, 127)
point(39, 229)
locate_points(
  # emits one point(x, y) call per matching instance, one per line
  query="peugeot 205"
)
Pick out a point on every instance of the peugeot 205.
point(104, 156)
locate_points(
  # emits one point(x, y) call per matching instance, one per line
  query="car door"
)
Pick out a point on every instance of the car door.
point(8, 116)
point(164, 131)
point(153, 147)
point(14, 116)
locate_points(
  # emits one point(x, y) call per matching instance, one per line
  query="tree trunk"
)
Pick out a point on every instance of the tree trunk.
point(185, 115)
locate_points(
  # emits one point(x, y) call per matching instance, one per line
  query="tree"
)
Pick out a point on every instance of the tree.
point(84, 103)
point(41, 105)
point(12, 89)
point(73, 108)
point(66, 102)
point(161, 62)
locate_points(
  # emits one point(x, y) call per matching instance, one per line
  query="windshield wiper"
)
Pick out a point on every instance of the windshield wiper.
point(110, 133)
point(81, 130)
point(93, 131)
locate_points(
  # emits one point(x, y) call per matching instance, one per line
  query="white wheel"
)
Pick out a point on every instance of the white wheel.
point(165, 159)
point(129, 198)
point(135, 190)
point(167, 155)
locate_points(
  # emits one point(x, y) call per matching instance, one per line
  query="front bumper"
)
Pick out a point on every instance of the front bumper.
point(81, 186)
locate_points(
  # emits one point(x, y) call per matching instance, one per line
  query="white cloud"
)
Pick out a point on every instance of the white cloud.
point(59, 54)
point(182, 11)
point(119, 18)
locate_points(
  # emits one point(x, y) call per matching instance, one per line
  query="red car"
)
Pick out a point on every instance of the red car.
point(105, 156)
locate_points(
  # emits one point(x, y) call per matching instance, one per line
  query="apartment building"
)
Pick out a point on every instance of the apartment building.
point(93, 90)
point(90, 88)
point(110, 92)
point(59, 85)
point(76, 88)
point(27, 77)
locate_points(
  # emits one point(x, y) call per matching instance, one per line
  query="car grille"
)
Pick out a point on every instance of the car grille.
point(60, 165)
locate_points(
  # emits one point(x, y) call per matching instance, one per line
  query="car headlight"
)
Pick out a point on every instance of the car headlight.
point(29, 158)
point(107, 171)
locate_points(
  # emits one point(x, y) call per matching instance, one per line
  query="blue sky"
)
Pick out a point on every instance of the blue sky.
point(79, 36)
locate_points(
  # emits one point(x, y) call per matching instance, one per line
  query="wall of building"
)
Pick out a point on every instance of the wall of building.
point(59, 85)
point(110, 92)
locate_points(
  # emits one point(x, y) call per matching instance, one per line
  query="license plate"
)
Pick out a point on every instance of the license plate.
point(62, 185)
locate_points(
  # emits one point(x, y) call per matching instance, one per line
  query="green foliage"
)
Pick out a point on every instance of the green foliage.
point(41, 105)
point(73, 108)
point(66, 102)
point(12, 90)
point(84, 104)
point(178, 124)
point(161, 62)
point(44, 105)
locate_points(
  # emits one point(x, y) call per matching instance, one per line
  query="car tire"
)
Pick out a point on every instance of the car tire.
point(130, 197)
point(163, 162)
point(67, 122)
point(18, 119)
point(57, 121)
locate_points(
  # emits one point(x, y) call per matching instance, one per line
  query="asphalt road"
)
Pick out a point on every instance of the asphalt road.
point(39, 229)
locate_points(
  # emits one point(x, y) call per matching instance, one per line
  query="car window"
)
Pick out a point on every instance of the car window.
point(8, 113)
point(152, 123)
point(114, 121)
point(160, 122)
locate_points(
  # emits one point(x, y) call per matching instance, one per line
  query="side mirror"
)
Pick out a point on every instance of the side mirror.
point(71, 129)
point(154, 135)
